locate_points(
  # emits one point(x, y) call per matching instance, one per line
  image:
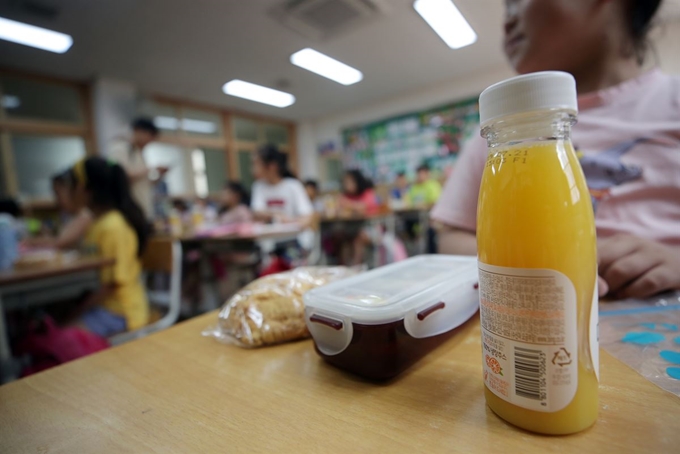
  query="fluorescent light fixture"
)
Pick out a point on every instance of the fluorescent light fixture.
point(10, 101)
point(258, 93)
point(326, 66)
point(447, 22)
point(186, 124)
point(30, 35)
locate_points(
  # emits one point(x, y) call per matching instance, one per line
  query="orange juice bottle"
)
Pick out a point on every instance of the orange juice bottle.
point(537, 259)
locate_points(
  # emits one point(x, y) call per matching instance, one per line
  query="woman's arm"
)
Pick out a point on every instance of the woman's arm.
point(456, 241)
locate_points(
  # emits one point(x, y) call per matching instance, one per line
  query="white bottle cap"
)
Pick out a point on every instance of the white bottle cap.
point(547, 90)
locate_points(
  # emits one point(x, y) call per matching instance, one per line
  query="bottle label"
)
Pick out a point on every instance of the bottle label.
point(529, 336)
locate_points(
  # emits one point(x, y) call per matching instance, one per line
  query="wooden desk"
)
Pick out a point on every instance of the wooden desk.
point(176, 391)
point(16, 276)
point(21, 288)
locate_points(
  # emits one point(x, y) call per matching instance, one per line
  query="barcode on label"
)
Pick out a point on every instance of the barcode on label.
point(529, 371)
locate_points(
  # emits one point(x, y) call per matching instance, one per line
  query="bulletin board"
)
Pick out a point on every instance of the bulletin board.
point(400, 144)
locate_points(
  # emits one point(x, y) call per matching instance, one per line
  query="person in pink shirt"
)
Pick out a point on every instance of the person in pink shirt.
point(235, 204)
point(358, 195)
point(627, 137)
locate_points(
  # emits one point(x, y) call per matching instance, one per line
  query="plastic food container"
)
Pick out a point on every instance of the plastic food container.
point(379, 323)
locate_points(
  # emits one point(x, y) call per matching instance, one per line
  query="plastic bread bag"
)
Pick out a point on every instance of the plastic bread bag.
point(645, 334)
point(270, 310)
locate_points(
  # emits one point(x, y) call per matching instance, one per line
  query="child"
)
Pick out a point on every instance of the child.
point(76, 217)
point(628, 132)
point(401, 187)
point(119, 231)
point(426, 190)
point(278, 196)
point(312, 189)
point(235, 202)
point(358, 197)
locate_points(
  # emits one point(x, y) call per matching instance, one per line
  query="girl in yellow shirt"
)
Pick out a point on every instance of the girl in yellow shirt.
point(119, 231)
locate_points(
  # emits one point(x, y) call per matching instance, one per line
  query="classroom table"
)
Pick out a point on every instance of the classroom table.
point(208, 245)
point(22, 288)
point(176, 391)
point(422, 214)
point(388, 218)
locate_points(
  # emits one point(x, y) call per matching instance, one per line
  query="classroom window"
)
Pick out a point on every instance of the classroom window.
point(180, 176)
point(164, 116)
point(276, 134)
point(38, 158)
point(200, 179)
point(26, 98)
point(245, 130)
point(201, 123)
point(245, 168)
point(215, 169)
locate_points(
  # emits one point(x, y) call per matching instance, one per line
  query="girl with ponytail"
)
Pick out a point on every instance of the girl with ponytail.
point(120, 232)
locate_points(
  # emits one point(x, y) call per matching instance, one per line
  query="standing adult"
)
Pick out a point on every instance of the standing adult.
point(130, 155)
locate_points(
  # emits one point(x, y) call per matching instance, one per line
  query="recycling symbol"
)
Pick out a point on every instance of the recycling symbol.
point(562, 357)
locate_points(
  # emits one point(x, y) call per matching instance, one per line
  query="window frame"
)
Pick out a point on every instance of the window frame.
point(9, 126)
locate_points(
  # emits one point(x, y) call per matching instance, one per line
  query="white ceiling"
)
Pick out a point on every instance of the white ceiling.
point(190, 48)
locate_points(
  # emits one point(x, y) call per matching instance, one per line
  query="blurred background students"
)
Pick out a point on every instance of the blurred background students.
point(628, 133)
point(358, 196)
point(312, 189)
point(76, 218)
point(235, 204)
point(426, 190)
point(119, 231)
point(278, 197)
point(401, 187)
point(130, 155)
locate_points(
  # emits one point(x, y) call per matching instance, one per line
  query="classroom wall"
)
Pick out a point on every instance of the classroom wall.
point(314, 132)
point(329, 128)
point(114, 105)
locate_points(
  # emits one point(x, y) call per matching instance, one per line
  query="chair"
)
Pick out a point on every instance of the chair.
point(162, 255)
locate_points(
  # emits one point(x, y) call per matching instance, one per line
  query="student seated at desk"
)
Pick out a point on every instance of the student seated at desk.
point(426, 190)
point(628, 135)
point(119, 231)
point(278, 197)
point(349, 240)
point(235, 204)
point(358, 196)
point(77, 218)
point(312, 190)
point(401, 187)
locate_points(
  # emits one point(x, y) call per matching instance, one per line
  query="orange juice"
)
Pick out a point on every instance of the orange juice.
point(538, 270)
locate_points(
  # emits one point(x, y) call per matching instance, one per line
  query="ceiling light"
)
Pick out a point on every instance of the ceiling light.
point(187, 124)
point(258, 93)
point(30, 35)
point(10, 101)
point(326, 66)
point(447, 22)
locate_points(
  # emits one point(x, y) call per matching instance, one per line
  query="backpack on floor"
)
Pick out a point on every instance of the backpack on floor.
point(49, 345)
